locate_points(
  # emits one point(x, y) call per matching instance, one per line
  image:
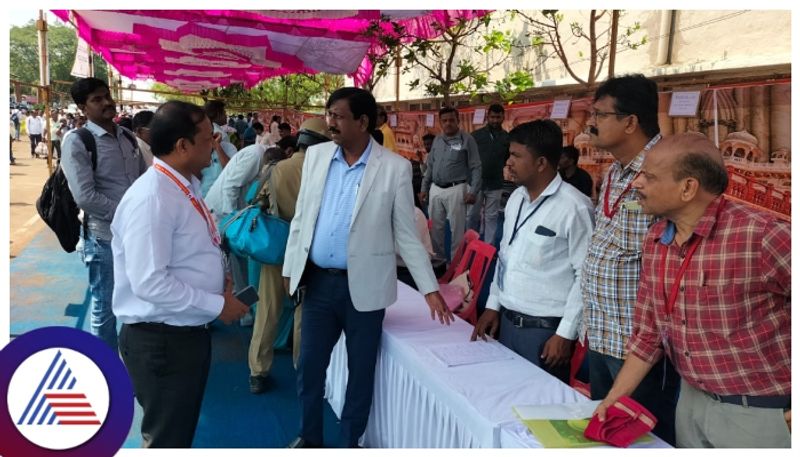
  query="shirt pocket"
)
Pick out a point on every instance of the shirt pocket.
point(538, 249)
point(721, 309)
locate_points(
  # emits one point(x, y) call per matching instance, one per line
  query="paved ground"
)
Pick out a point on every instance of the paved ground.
point(26, 180)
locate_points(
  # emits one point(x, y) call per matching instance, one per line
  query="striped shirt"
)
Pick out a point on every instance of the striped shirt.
point(332, 232)
point(610, 276)
point(729, 331)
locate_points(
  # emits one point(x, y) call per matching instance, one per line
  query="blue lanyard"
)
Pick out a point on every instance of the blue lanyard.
point(517, 225)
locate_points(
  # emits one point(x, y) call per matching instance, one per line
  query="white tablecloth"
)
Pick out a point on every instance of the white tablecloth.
point(421, 403)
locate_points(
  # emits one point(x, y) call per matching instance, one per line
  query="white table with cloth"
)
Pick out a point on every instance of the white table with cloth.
point(421, 403)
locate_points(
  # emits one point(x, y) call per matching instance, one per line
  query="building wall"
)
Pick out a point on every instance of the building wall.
point(703, 41)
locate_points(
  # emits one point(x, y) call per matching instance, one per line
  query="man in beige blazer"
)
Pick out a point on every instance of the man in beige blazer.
point(355, 205)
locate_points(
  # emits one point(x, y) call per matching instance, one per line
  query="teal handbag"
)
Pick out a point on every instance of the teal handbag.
point(253, 233)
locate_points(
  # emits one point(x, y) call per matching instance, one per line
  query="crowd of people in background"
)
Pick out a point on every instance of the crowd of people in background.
point(681, 295)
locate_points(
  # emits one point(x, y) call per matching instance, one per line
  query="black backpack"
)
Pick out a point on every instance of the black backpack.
point(57, 207)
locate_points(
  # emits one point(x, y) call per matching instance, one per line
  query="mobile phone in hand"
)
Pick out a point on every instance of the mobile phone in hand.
point(248, 295)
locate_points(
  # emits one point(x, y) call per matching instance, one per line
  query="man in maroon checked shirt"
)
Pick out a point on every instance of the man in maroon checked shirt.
point(715, 297)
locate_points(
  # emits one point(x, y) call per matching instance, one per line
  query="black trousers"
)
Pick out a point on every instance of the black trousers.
point(56, 149)
point(327, 311)
point(35, 140)
point(169, 372)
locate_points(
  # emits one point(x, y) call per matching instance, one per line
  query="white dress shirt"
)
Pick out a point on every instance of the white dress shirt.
point(34, 125)
point(166, 267)
point(539, 274)
point(227, 193)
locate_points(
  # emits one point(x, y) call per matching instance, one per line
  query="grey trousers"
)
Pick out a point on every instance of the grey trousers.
point(529, 343)
point(701, 421)
point(447, 204)
point(489, 202)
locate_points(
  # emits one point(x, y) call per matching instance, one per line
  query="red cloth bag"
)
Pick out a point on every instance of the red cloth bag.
point(626, 420)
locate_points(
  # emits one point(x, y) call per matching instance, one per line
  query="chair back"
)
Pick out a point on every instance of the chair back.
point(477, 258)
point(575, 366)
point(469, 236)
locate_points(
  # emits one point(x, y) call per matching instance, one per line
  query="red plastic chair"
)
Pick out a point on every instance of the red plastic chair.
point(477, 258)
point(469, 237)
point(574, 367)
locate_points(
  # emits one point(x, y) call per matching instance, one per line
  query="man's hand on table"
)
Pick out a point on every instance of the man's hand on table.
point(489, 321)
point(439, 308)
point(557, 351)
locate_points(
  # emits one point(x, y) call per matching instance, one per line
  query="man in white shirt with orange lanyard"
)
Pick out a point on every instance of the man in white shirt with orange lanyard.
point(169, 277)
point(537, 279)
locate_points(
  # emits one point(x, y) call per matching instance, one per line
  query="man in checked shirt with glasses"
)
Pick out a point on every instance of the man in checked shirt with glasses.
point(623, 121)
point(715, 297)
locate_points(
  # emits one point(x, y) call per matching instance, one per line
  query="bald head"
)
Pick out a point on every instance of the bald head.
point(692, 155)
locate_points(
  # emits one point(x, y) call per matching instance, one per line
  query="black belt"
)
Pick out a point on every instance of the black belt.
point(767, 401)
point(330, 271)
point(166, 328)
point(454, 183)
point(524, 321)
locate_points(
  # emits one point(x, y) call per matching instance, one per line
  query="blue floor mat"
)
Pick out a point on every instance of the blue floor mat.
point(49, 288)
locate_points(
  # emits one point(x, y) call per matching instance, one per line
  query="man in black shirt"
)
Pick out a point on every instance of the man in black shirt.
point(568, 168)
point(493, 144)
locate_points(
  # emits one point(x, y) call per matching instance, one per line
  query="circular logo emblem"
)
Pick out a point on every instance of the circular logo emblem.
point(63, 392)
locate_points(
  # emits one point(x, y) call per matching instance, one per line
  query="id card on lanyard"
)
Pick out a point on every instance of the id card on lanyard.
point(610, 209)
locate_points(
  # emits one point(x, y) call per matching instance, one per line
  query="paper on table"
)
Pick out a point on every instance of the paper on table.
point(469, 353)
point(580, 410)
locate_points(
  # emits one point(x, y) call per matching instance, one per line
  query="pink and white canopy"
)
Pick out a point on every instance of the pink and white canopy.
point(203, 49)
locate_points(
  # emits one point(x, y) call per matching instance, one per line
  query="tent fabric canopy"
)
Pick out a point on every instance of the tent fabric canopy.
point(193, 50)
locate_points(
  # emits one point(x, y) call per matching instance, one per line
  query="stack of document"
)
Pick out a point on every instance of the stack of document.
point(468, 353)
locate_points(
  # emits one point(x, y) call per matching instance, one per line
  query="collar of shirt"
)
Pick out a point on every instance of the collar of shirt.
point(339, 156)
point(97, 130)
point(551, 189)
point(703, 228)
point(194, 185)
point(636, 164)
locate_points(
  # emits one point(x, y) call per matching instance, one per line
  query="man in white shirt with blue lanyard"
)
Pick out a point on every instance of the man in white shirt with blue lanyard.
point(545, 238)
point(169, 277)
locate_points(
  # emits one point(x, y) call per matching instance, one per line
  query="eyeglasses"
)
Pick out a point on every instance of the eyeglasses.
point(334, 116)
point(604, 114)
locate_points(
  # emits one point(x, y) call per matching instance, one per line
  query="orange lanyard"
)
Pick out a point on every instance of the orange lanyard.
point(610, 212)
point(669, 303)
point(200, 205)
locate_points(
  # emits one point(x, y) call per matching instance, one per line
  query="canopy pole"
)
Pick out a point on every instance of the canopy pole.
point(44, 81)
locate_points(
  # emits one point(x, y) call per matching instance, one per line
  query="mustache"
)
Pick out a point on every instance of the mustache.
point(334, 130)
point(593, 130)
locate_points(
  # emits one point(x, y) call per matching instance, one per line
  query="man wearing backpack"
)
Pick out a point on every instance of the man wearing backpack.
point(97, 182)
point(15, 115)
